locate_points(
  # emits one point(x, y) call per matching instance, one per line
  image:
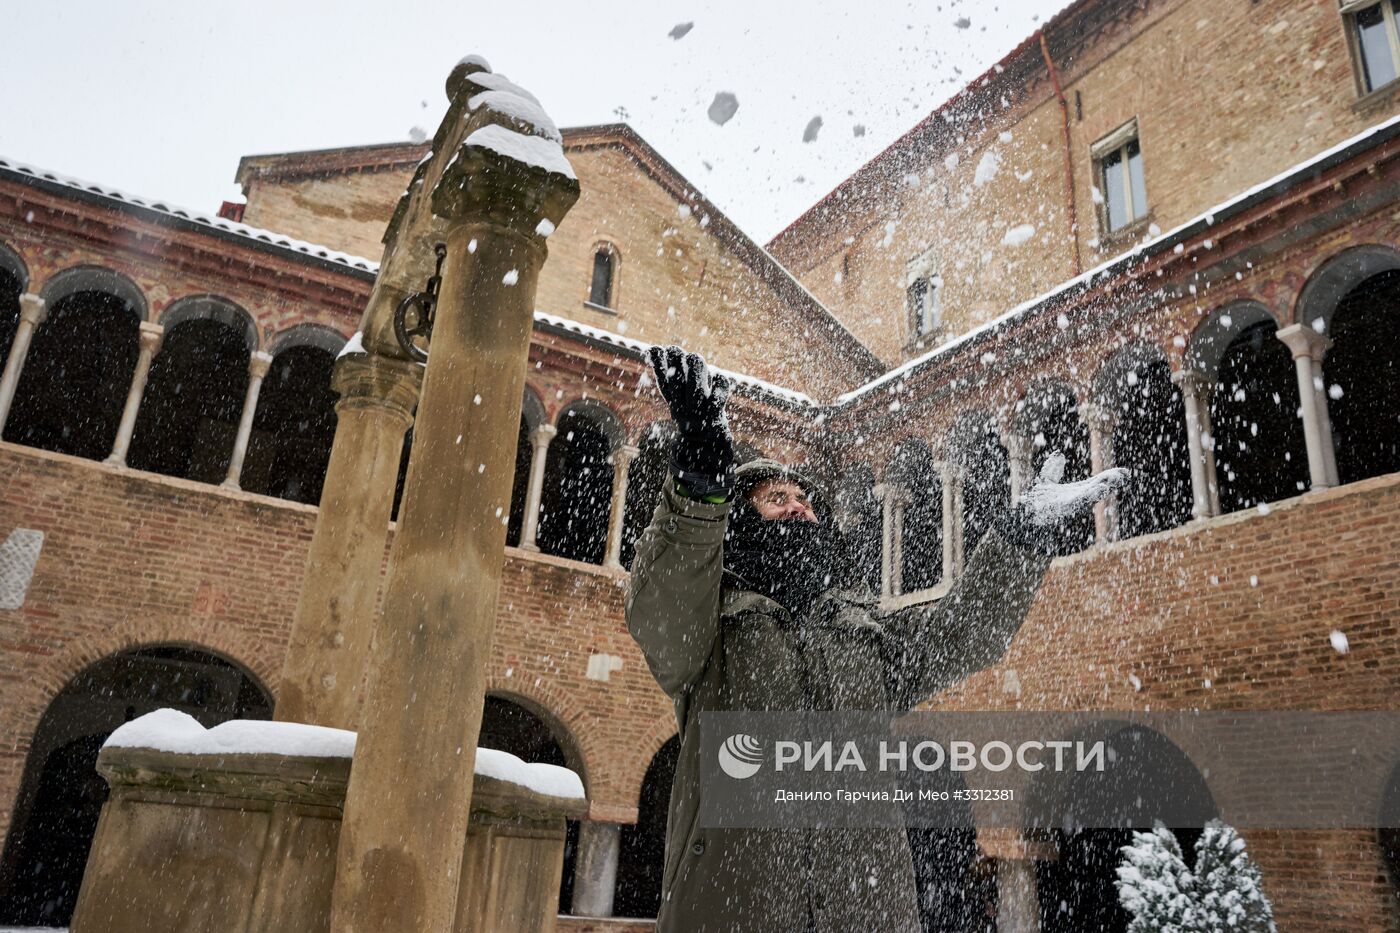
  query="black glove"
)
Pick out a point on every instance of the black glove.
point(1041, 520)
point(703, 456)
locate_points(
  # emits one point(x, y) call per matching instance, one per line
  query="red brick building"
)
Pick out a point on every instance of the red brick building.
point(1221, 317)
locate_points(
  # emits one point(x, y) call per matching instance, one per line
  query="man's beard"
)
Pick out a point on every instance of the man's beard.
point(789, 560)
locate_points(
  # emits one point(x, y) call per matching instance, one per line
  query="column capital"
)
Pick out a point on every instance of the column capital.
point(1302, 340)
point(1191, 382)
point(367, 380)
point(542, 434)
point(258, 363)
point(32, 308)
point(1098, 417)
point(625, 453)
point(1017, 445)
point(150, 336)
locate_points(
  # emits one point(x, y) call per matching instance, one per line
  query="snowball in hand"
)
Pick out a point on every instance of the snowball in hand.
point(723, 107)
point(1049, 501)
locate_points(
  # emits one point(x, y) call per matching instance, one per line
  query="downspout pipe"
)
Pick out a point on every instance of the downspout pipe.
point(1069, 152)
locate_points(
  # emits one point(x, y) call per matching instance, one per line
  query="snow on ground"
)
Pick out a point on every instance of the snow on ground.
point(169, 730)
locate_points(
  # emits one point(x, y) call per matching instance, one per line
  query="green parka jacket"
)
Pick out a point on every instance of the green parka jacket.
point(713, 646)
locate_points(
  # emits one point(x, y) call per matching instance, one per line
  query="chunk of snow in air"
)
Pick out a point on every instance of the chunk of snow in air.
point(814, 126)
point(1340, 644)
point(962, 22)
point(723, 108)
point(680, 30)
point(543, 228)
point(987, 168)
point(511, 277)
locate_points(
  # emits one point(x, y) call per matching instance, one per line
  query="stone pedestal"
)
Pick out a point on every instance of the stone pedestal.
point(213, 843)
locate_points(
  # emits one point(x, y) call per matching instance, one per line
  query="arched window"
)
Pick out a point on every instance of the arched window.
point(194, 397)
point(975, 448)
point(61, 793)
point(602, 292)
point(577, 494)
point(13, 279)
point(294, 426)
point(75, 381)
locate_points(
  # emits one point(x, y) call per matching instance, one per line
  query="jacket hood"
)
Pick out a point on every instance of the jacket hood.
point(750, 474)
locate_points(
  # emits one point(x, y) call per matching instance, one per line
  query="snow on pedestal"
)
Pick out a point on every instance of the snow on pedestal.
point(169, 730)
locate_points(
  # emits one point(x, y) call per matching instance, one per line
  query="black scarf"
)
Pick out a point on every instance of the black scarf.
point(789, 560)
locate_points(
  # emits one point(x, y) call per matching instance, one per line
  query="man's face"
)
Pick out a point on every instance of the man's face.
point(781, 498)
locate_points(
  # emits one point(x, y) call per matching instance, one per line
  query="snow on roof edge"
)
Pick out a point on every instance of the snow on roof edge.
point(267, 237)
point(1206, 218)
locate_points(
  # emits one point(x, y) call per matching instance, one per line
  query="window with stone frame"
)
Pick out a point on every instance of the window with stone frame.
point(1373, 31)
point(601, 292)
point(923, 293)
point(1122, 193)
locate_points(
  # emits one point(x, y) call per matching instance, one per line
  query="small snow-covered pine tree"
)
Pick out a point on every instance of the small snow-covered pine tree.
point(1154, 885)
point(1229, 895)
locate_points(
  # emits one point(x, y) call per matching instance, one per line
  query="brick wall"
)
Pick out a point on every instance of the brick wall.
point(1226, 95)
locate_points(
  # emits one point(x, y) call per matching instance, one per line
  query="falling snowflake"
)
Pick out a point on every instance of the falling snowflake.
point(814, 127)
point(511, 277)
point(1339, 642)
point(680, 30)
point(962, 22)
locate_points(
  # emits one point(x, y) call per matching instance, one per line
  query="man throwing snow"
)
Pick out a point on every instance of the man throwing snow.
point(742, 598)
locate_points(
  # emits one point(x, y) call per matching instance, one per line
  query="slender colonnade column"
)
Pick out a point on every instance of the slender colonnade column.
point(622, 458)
point(151, 335)
point(539, 452)
point(32, 311)
point(258, 362)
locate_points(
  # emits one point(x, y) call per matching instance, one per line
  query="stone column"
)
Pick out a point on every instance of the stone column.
point(883, 493)
point(258, 363)
point(1101, 421)
point(1308, 347)
point(32, 311)
point(899, 498)
point(1019, 450)
point(951, 526)
point(330, 637)
point(622, 458)
point(959, 483)
point(539, 451)
point(595, 870)
point(1191, 385)
point(150, 338)
point(1018, 905)
point(410, 791)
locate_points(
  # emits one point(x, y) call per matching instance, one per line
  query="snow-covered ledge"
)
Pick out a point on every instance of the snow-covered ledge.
point(237, 827)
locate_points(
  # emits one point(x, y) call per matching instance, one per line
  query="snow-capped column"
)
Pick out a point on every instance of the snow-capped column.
point(258, 363)
point(1191, 384)
point(1019, 450)
point(539, 452)
point(496, 186)
point(1101, 421)
point(1018, 905)
point(32, 311)
point(150, 338)
point(621, 460)
point(595, 869)
point(325, 661)
point(883, 493)
point(951, 527)
point(1303, 343)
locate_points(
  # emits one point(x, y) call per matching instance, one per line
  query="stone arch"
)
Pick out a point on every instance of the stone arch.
point(1361, 367)
point(61, 794)
point(78, 279)
point(319, 336)
point(532, 408)
point(194, 395)
point(289, 448)
point(1250, 412)
point(1338, 275)
point(912, 475)
point(76, 376)
point(14, 279)
point(1147, 421)
point(1089, 815)
point(645, 476)
point(211, 308)
point(1218, 330)
point(974, 447)
point(1047, 417)
point(577, 495)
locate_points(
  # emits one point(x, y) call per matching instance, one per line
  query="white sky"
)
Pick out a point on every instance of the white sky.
point(162, 98)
